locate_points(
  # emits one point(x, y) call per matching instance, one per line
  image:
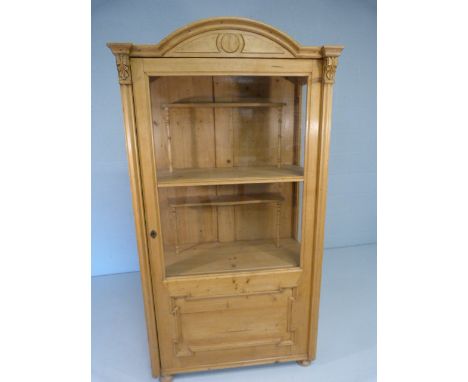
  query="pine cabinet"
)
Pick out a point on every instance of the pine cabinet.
point(227, 125)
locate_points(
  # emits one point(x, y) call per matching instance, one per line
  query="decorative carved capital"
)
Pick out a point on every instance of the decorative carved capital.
point(329, 69)
point(123, 68)
point(122, 58)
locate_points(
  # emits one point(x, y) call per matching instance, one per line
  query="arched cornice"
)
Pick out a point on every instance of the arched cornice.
point(228, 37)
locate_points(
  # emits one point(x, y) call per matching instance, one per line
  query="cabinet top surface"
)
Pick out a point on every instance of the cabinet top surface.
point(227, 37)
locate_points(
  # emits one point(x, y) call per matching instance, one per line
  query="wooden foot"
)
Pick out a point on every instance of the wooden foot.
point(165, 378)
point(304, 362)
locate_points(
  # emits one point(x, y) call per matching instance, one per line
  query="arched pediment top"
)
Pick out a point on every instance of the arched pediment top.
point(229, 37)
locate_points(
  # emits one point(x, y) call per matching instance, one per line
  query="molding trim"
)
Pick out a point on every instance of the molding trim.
point(228, 37)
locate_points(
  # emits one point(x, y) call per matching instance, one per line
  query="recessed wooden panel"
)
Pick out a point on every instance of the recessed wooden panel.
point(229, 43)
point(216, 324)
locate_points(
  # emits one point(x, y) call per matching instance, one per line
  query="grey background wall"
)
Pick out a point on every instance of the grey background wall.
point(351, 210)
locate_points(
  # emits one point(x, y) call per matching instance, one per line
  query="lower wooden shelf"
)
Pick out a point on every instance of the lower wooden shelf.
point(248, 255)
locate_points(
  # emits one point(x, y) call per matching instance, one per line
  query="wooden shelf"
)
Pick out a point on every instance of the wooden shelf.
point(232, 257)
point(230, 175)
point(223, 104)
point(226, 200)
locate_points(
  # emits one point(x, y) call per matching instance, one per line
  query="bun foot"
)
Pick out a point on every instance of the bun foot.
point(304, 362)
point(165, 378)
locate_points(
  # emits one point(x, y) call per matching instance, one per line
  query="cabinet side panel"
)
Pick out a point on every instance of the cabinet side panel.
point(320, 207)
point(309, 196)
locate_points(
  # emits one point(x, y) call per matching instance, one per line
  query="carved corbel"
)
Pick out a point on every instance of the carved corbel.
point(330, 62)
point(122, 58)
point(329, 69)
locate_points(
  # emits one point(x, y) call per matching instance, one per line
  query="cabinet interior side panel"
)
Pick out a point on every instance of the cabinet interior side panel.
point(192, 130)
point(194, 225)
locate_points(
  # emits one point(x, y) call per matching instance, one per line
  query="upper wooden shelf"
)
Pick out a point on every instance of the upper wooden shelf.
point(223, 104)
point(230, 175)
point(226, 200)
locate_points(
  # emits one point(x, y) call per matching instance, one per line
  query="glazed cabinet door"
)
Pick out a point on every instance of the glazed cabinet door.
point(227, 168)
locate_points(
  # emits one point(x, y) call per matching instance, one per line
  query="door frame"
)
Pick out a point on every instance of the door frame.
point(141, 148)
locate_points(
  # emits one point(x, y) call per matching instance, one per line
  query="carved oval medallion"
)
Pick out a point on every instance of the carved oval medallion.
point(230, 42)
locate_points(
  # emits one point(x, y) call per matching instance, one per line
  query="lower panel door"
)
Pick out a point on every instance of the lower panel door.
point(234, 319)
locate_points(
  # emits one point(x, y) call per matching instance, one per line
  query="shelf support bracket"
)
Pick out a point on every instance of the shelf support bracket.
point(280, 122)
point(169, 137)
point(174, 214)
point(278, 223)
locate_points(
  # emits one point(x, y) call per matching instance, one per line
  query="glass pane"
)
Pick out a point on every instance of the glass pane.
point(229, 171)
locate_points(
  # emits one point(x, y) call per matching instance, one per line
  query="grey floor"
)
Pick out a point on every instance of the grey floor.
point(347, 328)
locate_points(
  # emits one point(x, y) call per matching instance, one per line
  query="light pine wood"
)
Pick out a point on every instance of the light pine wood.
point(249, 282)
point(296, 152)
point(144, 124)
point(212, 116)
point(328, 78)
point(278, 224)
point(229, 365)
point(182, 105)
point(128, 108)
point(227, 66)
point(278, 145)
point(229, 175)
point(235, 256)
point(222, 201)
point(193, 224)
point(226, 200)
point(254, 39)
point(169, 89)
point(168, 137)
